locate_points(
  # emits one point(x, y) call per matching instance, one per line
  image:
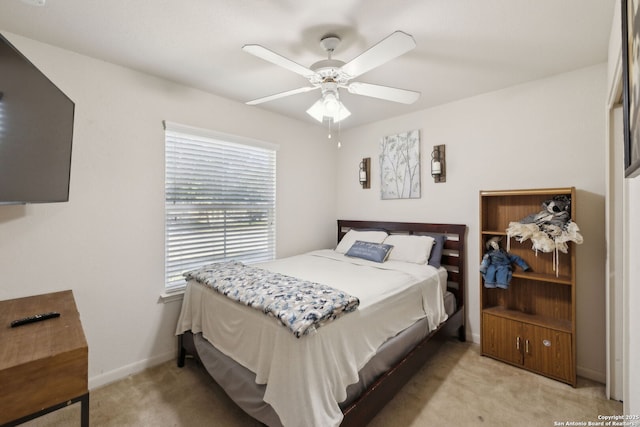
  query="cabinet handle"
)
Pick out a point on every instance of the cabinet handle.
point(518, 343)
point(526, 346)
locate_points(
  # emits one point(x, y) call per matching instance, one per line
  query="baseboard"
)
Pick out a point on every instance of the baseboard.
point(120, 373)
point(590, 374)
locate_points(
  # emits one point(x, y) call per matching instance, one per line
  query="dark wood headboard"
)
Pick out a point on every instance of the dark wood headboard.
point(453, 258)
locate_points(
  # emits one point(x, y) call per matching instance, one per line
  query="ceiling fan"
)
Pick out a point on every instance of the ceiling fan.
point(330, 74)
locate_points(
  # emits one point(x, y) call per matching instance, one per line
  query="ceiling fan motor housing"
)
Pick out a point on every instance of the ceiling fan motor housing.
point(329, 70)
point(329, 87)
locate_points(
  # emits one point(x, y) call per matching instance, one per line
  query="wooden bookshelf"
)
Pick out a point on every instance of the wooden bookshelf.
point(532, 324)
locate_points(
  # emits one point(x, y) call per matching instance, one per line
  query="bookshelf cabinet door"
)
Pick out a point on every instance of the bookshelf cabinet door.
point(548, 352)
point(502, 339)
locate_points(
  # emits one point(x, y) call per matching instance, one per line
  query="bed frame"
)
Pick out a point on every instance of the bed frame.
point(372, 400)
point(366, 407)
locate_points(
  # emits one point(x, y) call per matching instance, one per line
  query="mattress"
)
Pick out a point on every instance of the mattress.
point(305, 378)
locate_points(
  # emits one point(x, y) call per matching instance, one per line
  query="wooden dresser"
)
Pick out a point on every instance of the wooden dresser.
point(43, 365)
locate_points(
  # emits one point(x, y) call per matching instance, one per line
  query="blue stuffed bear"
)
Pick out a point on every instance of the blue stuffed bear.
point(496, 265)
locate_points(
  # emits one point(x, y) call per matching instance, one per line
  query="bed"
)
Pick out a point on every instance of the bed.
point(342, 371)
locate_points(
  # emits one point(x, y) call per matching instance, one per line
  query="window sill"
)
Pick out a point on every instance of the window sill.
point(167, 297)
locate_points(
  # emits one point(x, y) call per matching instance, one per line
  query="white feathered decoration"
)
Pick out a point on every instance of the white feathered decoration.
point(551, 238)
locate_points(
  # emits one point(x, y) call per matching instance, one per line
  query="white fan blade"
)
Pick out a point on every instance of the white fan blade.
point(282, 94)
point(384, 92)
point(277, 59)
point(391, 47)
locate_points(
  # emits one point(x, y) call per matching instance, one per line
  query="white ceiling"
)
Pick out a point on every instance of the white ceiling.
point(464, 47)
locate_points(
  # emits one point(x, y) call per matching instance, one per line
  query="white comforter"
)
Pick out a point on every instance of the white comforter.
point(306, 378)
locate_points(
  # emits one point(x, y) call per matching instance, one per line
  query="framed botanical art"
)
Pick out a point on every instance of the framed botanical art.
point(400, 166)
point(631, 86)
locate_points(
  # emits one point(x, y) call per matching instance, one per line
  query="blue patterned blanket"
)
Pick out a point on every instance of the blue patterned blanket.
point(300, 305)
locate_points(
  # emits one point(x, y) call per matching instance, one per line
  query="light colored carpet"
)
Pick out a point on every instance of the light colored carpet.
point(457, 387)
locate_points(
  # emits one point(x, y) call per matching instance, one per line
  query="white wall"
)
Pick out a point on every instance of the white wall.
point(107, 242)
point(548, 133)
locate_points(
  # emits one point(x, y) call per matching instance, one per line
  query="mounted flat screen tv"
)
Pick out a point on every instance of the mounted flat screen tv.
point(36, 131)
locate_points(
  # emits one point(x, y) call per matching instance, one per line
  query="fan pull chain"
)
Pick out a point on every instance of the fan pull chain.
point(339, 142)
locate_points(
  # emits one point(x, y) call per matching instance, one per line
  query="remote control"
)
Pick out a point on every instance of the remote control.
point(35, 318)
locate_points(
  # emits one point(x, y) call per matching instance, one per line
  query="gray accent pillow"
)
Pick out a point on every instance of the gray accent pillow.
point(377, 252)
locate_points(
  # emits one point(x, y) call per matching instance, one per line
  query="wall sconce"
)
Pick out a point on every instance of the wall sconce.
point(365, 172)
point(438, 164)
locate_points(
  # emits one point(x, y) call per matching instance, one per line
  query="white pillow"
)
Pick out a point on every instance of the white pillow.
point(407, 248)
point(365, 236)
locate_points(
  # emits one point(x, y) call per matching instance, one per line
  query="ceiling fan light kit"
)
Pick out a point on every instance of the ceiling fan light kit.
point(321, 111)
point(329, 107)
point(329, 75)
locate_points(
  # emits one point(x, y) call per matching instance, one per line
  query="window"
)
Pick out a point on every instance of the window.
point(219, 200)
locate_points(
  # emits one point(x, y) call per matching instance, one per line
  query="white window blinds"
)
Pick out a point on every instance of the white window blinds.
point(219, 200)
